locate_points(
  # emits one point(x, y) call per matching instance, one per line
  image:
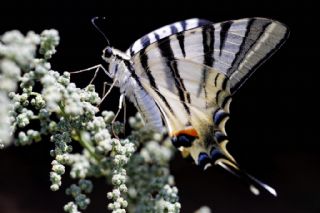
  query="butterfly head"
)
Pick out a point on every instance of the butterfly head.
point(107, 53)
point(114, 59)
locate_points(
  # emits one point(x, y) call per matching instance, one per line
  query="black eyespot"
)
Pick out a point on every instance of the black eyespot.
point(107, 53)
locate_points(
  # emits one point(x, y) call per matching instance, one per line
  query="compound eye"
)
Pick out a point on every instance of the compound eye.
point(107, 53)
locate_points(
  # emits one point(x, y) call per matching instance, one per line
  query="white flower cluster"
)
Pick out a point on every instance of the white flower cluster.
point(61, 96)
point(19, 49)
point(77, 192)
point(71, 207)
point(167, 200)
point(5, 130)
point(80, 165)
point(16, 53)
point(49, 39)
point(122, 151)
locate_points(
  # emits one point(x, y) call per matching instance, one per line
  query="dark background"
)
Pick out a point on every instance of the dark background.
point(273, 117)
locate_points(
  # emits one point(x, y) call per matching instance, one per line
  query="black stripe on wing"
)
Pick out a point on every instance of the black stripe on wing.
point(144, 64)
point(281, 41)
point(225, 26)
point(167, 54)
point(238, 57)
point(208, 48)
point(180, 37)
point(133, 73)
point(208, 44)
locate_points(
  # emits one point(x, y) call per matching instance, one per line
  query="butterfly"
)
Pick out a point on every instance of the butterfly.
point(183, 76)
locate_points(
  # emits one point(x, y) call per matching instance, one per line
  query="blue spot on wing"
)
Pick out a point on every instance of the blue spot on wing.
point(203, 160)
point(219, 136)
point(215, 154)
point(219, 115)
point(182, 140)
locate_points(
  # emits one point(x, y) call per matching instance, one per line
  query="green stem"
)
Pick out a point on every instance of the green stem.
point(88, 146)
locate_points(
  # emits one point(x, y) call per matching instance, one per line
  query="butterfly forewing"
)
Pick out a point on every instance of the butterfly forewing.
point(233, 48)
point(191, 73)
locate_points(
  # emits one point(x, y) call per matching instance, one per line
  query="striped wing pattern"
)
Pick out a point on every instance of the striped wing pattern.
point(192, 70)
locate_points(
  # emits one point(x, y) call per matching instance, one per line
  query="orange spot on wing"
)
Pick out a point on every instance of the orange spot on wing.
point(187, 131)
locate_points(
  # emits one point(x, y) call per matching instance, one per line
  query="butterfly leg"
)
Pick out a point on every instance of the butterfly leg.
point(96, 68)
point(121, 101)
point(124, 115)
point(105, 84)
point(105, 94)
point(95, 75)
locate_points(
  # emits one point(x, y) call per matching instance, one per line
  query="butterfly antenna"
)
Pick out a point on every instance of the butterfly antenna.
point(93, 21)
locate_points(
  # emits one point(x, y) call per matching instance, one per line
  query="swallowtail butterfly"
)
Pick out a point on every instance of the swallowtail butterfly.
point(183, 76)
